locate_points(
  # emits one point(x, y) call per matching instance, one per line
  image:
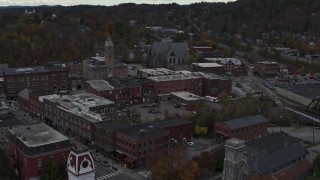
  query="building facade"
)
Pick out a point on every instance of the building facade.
point(245, 128)
point(100, 67)
point(134, 145)
point(50, 77)
point(175, 83)
point(266, 68)
point(75, 114)
point(8, 121)
point(31, 146)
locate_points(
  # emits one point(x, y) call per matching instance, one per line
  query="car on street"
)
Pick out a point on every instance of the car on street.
point(105, 163)
point(190, 143)
point(177, 105)
point(97, 159)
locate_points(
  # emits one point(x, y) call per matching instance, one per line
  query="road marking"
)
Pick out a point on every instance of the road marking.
point(107, 176)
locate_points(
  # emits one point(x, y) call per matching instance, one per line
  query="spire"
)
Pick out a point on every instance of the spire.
point(108, 40)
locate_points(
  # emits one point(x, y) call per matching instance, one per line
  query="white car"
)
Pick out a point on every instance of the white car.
point(190, 144)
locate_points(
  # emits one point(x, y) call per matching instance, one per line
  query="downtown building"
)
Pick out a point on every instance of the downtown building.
point(74, 115)
point(29, 148)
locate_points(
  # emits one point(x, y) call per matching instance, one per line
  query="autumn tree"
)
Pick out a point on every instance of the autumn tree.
point(175, 167)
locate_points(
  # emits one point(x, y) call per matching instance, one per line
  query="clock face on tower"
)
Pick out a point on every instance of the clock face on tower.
point(85, 164)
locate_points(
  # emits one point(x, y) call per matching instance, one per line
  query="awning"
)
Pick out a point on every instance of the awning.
point(130, 159)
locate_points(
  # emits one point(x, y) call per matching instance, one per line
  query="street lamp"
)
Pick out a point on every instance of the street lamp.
point(280, 123)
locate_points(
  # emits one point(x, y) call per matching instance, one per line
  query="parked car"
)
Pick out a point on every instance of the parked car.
point(97, 159)
point(177, 105)
point(190, 143)
point(153, 105)
point(105, 163)
point(143, 105)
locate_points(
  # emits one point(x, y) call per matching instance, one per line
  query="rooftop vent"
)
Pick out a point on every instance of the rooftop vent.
point(28, 128)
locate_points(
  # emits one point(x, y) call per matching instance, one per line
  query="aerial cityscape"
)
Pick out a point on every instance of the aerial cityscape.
point(167, 89)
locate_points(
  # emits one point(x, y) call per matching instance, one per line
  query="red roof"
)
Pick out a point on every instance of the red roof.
point(294, 171)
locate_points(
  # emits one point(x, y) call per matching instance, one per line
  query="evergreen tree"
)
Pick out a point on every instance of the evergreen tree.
point(51, 171)
point(6, 170)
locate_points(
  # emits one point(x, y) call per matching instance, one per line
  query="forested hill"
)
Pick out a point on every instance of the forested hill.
point(73, 33)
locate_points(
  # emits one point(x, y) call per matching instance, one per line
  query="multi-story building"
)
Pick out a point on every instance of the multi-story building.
point(103, 67)
point(75, 114)
point(245, 128)
point(180, 130)
point(175, 83)
point(266, 68)
point(50, 77)
point(186, 99)
point(135, 144)
point(230, 65)
point(121, 90)
point(104, 134)
point(7, 121)
point(213, 84)
point(30, 147)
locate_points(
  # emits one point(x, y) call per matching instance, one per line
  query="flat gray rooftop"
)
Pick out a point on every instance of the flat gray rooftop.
point(174, 77)
point(38, 135)
point(309, 91)
point(100, 85)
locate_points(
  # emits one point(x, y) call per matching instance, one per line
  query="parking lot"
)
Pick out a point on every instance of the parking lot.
point(159, 111)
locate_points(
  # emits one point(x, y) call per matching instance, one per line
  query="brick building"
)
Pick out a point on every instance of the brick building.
point(75, 114)
point(213, 84)
point(245, 128)
point(175, 83)
point(104, 134)
point(31, 146)
point(231, 66)
point(266, 68)
point(180, 130)
point(121, 90)
point(50, 77)
point(186, 99)
point(135, 144)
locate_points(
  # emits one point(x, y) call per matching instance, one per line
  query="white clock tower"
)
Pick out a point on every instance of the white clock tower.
point(80, 165)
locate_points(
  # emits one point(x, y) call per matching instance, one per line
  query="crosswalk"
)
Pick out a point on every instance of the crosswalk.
point(107, 176)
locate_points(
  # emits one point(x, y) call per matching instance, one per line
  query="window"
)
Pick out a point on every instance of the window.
point(39, 163)
point(61, 157)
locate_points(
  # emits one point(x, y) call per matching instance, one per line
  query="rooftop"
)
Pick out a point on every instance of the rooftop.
point(37, 135)
point(81, 104)
point(309, 91)
point(186, 95)
point(273, 142)
point(7, 120)
point(245, 121)
point(168, 123)
point(174, 77)
point(100, 85)
point(144, 131)
point(224, 60)
point(111, 125)
point(207, 65)
point(123, 82)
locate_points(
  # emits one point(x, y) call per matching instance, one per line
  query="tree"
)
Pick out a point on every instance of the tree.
point(51, 171)
point(6, 170)
point(175, 167)
point(316, 166)
point(201, 130)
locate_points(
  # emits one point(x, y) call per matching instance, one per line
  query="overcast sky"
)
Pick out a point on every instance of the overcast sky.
point(97, 2)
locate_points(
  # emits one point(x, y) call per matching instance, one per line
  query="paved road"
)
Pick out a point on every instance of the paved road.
point(305, 133)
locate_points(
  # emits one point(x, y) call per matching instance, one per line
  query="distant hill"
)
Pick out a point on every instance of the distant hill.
point(64, 38)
